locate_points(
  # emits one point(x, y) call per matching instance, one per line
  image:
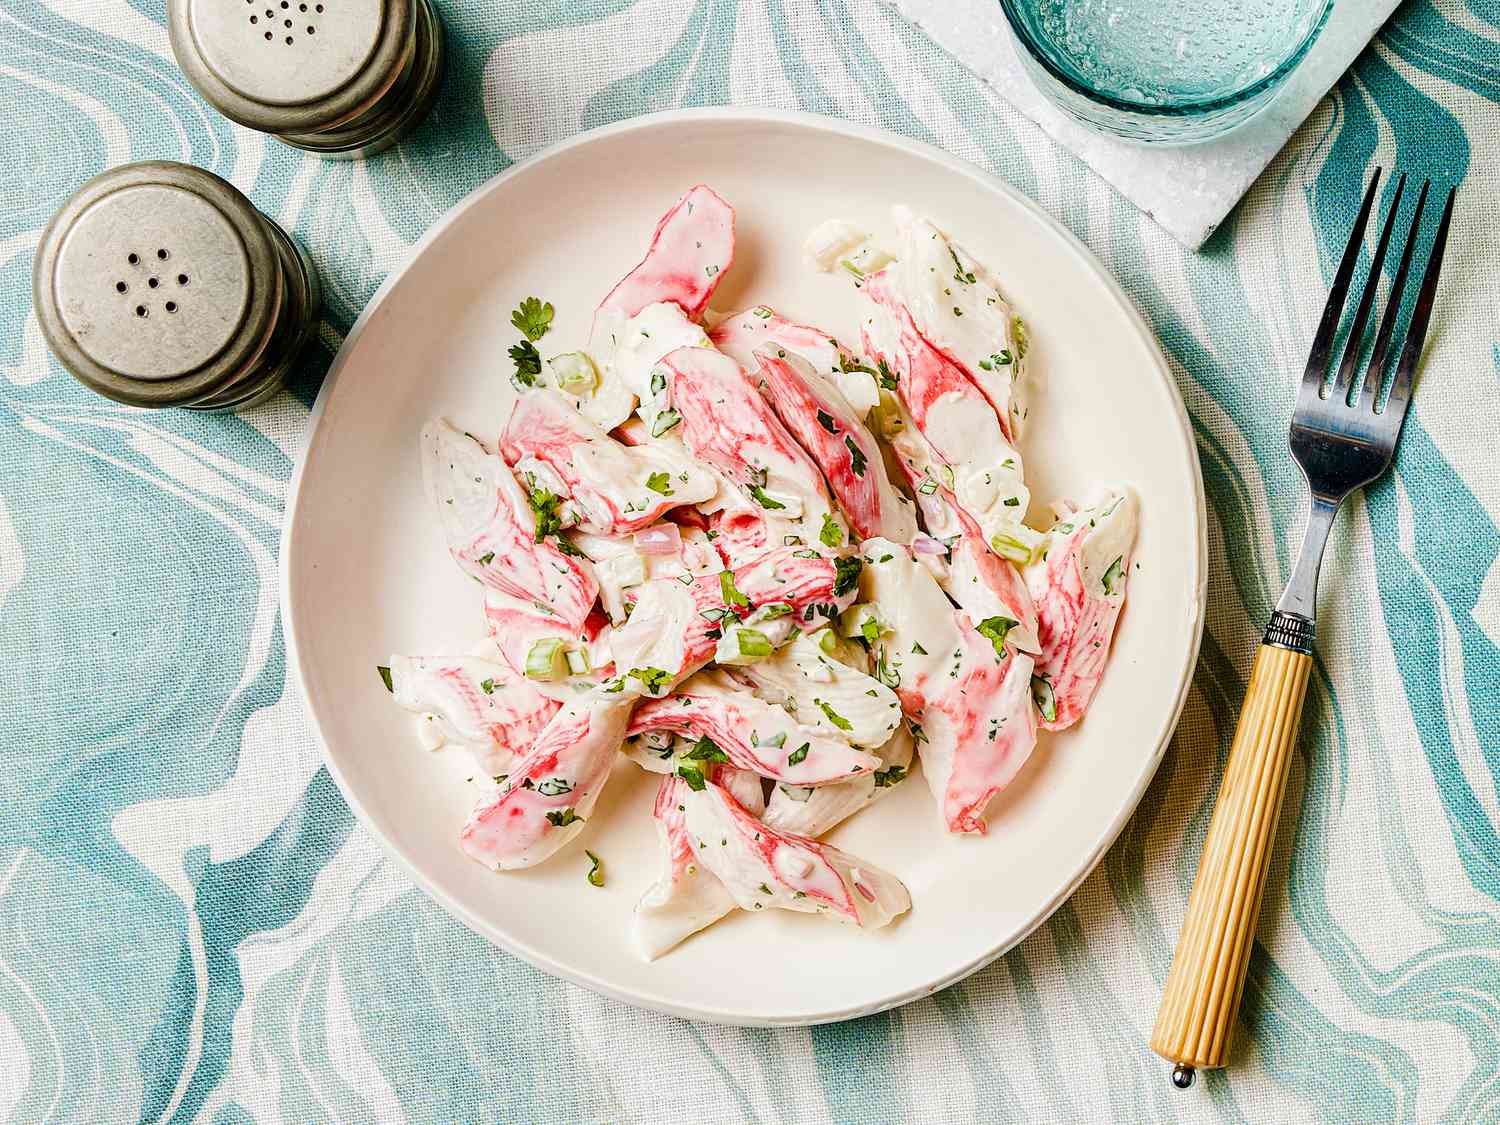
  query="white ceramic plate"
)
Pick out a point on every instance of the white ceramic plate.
point(365, 571)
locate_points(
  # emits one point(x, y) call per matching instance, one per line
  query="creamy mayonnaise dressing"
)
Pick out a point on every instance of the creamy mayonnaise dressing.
point(957, 305)
point(767, 568)
point(818, 689)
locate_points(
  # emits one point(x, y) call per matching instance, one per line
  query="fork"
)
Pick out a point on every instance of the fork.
point(1342, 441)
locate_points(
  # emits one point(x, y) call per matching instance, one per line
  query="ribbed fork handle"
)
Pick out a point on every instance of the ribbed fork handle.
point(1195, 1023)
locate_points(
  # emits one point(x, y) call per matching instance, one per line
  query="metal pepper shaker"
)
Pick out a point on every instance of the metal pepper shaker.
point(340, 78)
point(160, 284)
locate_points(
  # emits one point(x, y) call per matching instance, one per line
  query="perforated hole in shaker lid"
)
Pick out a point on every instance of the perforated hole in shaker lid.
point(308, 53)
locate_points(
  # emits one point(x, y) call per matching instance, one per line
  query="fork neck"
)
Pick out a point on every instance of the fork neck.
point(1293, 624)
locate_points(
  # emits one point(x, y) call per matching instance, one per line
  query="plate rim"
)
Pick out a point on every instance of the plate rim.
point(747, 115)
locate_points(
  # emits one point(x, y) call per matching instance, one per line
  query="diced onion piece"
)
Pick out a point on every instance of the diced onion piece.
point(870, 258)
point(742, 646)
point(828, 641)
point(546, 660)
point(574, 372)
point(578, 662)
point(659, 539)
point(927, 545)
point(627, 569)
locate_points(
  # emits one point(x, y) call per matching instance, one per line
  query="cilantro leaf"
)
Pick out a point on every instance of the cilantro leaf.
point(533, 318)
point(825, 420)
point(799, 755)
point(385, 678)
point(660, 482)
point(693, 776)
point(564, 818)
point(889, 776)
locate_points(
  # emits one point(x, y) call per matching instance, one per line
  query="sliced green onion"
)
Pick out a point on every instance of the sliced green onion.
point(574, 372)
point(546, 660)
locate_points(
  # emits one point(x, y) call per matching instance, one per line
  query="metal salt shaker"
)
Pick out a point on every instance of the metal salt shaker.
point(160, 284)
point(340, 78)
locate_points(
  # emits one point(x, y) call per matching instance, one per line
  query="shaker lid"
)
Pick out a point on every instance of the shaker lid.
point(291, 65)
point(156, 282)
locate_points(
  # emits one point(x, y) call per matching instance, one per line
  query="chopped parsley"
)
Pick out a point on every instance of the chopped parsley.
point(833, 716)
point(848, 365)
point(856, 456)
point(760, 497)
point(564, 818)
point(385, 678)
point(886, 378)
point(528, 363)
point(487, 686)
point(916, 647)
point(846, 574)
point(890, 776)
point(959, 273)
point(596, 872)
point(487, 558)
point(652, 679)
point(1113, 575)
point(706, 750)
point(831, 535)
point(693, 776)
point(799, 755)
point(825, 420)
point(533, 318)
point(544, 506)
point(660, 482)
point(996, 628)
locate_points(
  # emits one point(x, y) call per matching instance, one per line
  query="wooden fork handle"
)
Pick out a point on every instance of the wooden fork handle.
point(1202, 996)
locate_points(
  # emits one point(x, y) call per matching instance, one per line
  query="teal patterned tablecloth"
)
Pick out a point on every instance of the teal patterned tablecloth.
point(192, 925)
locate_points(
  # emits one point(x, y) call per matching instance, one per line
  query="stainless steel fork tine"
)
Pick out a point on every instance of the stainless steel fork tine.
point(1416, 332)
point(1375, 372)
point(1317, 358)
point(1356, 339)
